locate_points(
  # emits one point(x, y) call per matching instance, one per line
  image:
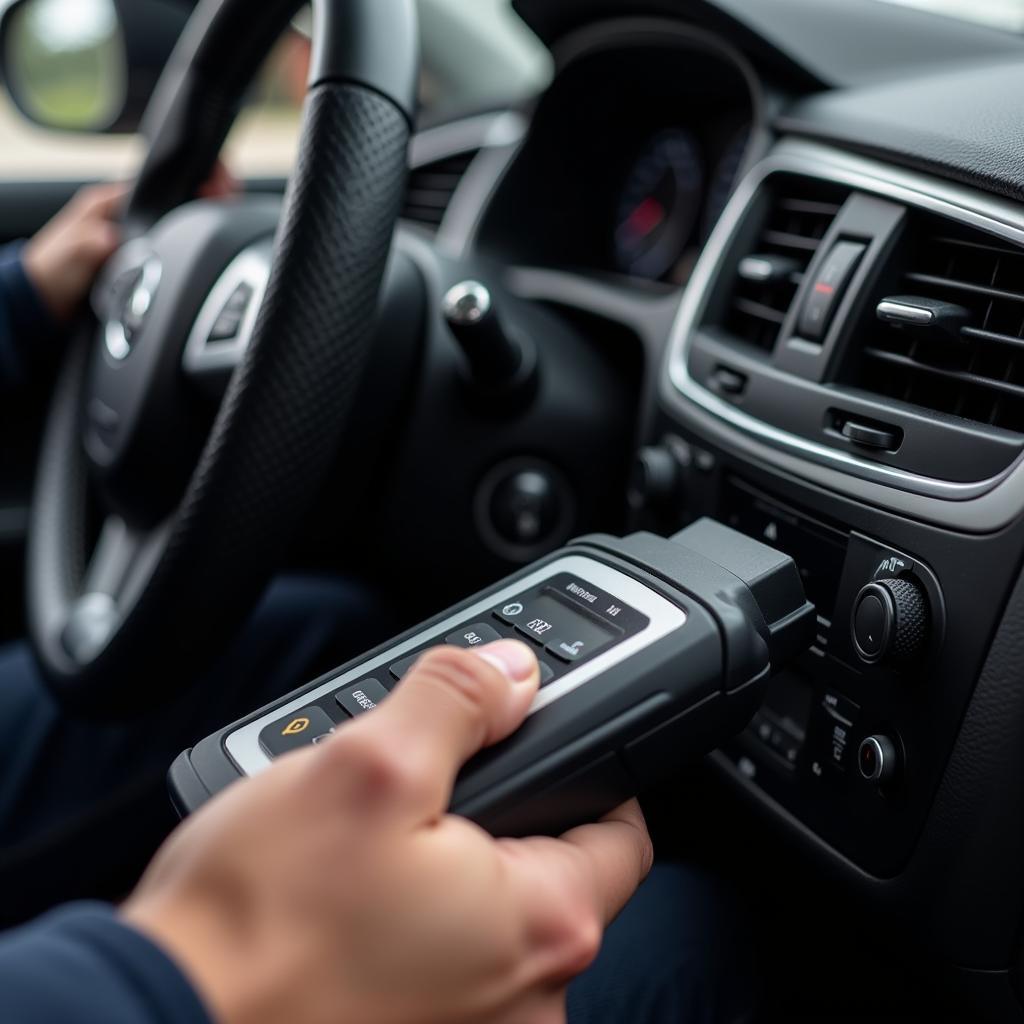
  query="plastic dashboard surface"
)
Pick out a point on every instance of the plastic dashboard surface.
point(646, 617)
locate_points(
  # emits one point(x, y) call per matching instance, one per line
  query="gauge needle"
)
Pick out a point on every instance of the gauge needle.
point(644, 219)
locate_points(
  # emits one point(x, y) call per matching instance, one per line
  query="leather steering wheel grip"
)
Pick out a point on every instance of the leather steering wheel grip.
point(274, 438)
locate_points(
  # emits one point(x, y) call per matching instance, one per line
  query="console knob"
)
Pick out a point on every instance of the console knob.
point(878, 760)
point(656, 478)
point(890, 621)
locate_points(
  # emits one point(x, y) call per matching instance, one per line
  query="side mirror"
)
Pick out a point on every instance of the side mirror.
point(87, 65)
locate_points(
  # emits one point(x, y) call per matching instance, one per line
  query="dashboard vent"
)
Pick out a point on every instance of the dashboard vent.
point(975, 369)
point(799, 214)
point(431, 187)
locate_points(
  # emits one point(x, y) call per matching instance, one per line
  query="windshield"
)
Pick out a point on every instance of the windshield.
point(1003, 14)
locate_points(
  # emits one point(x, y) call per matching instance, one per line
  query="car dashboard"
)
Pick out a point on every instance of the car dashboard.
point(828, 284)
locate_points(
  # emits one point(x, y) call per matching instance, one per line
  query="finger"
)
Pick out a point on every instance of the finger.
point(103, 200)
point(617, 854)
point(451, 704)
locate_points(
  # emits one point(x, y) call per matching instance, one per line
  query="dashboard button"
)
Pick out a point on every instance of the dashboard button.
point(878, 760)
point(871, 625)
point(299, 729)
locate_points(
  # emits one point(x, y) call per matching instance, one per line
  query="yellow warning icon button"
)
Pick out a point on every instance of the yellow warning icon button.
point(301, 728)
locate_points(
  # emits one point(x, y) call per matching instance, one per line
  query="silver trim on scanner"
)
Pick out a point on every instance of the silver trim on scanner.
point(243, 745)
point(989, 213)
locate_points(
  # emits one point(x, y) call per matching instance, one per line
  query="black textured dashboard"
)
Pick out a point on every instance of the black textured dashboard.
point(964, 123)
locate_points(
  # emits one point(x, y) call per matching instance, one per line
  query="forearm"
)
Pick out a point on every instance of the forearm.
point(82, 964)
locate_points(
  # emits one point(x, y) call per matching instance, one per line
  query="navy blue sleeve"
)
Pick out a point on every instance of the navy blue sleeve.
point(81, 965)
point(26, 325)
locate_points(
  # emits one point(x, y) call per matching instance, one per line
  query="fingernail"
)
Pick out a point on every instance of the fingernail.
point(512, 658)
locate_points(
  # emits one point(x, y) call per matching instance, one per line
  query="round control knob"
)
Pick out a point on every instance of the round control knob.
point(878, 760)
point(890, 621)
point(655, 479)
point(526, 508)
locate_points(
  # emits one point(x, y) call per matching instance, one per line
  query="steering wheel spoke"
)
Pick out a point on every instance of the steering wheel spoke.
point(120, 565)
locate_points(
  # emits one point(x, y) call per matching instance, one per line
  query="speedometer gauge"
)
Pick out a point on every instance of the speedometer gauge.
point(659, 206)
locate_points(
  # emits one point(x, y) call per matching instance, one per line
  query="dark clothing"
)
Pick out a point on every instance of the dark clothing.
point(24, 321)
point(80, 965)
point(84, 805)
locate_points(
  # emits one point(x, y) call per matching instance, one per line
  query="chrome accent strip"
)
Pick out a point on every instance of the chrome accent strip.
point(485, 131)
point(461, 223)
point(243, 745)
point(989, 213)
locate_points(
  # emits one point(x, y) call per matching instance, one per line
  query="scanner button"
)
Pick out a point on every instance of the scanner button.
point(574, 649)
point(510, 612)
point(299, 729)
point(473, 636)
point(400, 668)
point(364, 696)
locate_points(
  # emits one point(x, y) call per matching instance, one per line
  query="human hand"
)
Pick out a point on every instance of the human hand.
point(336, 889)
point(64, 257)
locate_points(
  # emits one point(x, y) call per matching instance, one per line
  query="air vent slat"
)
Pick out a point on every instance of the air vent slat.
point(796, 217)
point(992, 336)
point(977, 375)
point(760, 310)
point(961, 376)
point(963, 286)
point(431, 188)
point(786, 240)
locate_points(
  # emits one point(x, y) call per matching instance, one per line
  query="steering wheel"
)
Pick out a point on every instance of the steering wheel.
point(125, 607)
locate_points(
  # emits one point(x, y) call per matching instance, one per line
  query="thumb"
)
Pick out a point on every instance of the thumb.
point(450, 705)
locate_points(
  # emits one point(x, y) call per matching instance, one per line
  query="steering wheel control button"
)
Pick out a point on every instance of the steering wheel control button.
point(878, 760)
point(363, 697)
point(547, 674)
point(829, 287)
point(890, 621)
point(476, 635)
point(299, 729)
point(229, 322)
